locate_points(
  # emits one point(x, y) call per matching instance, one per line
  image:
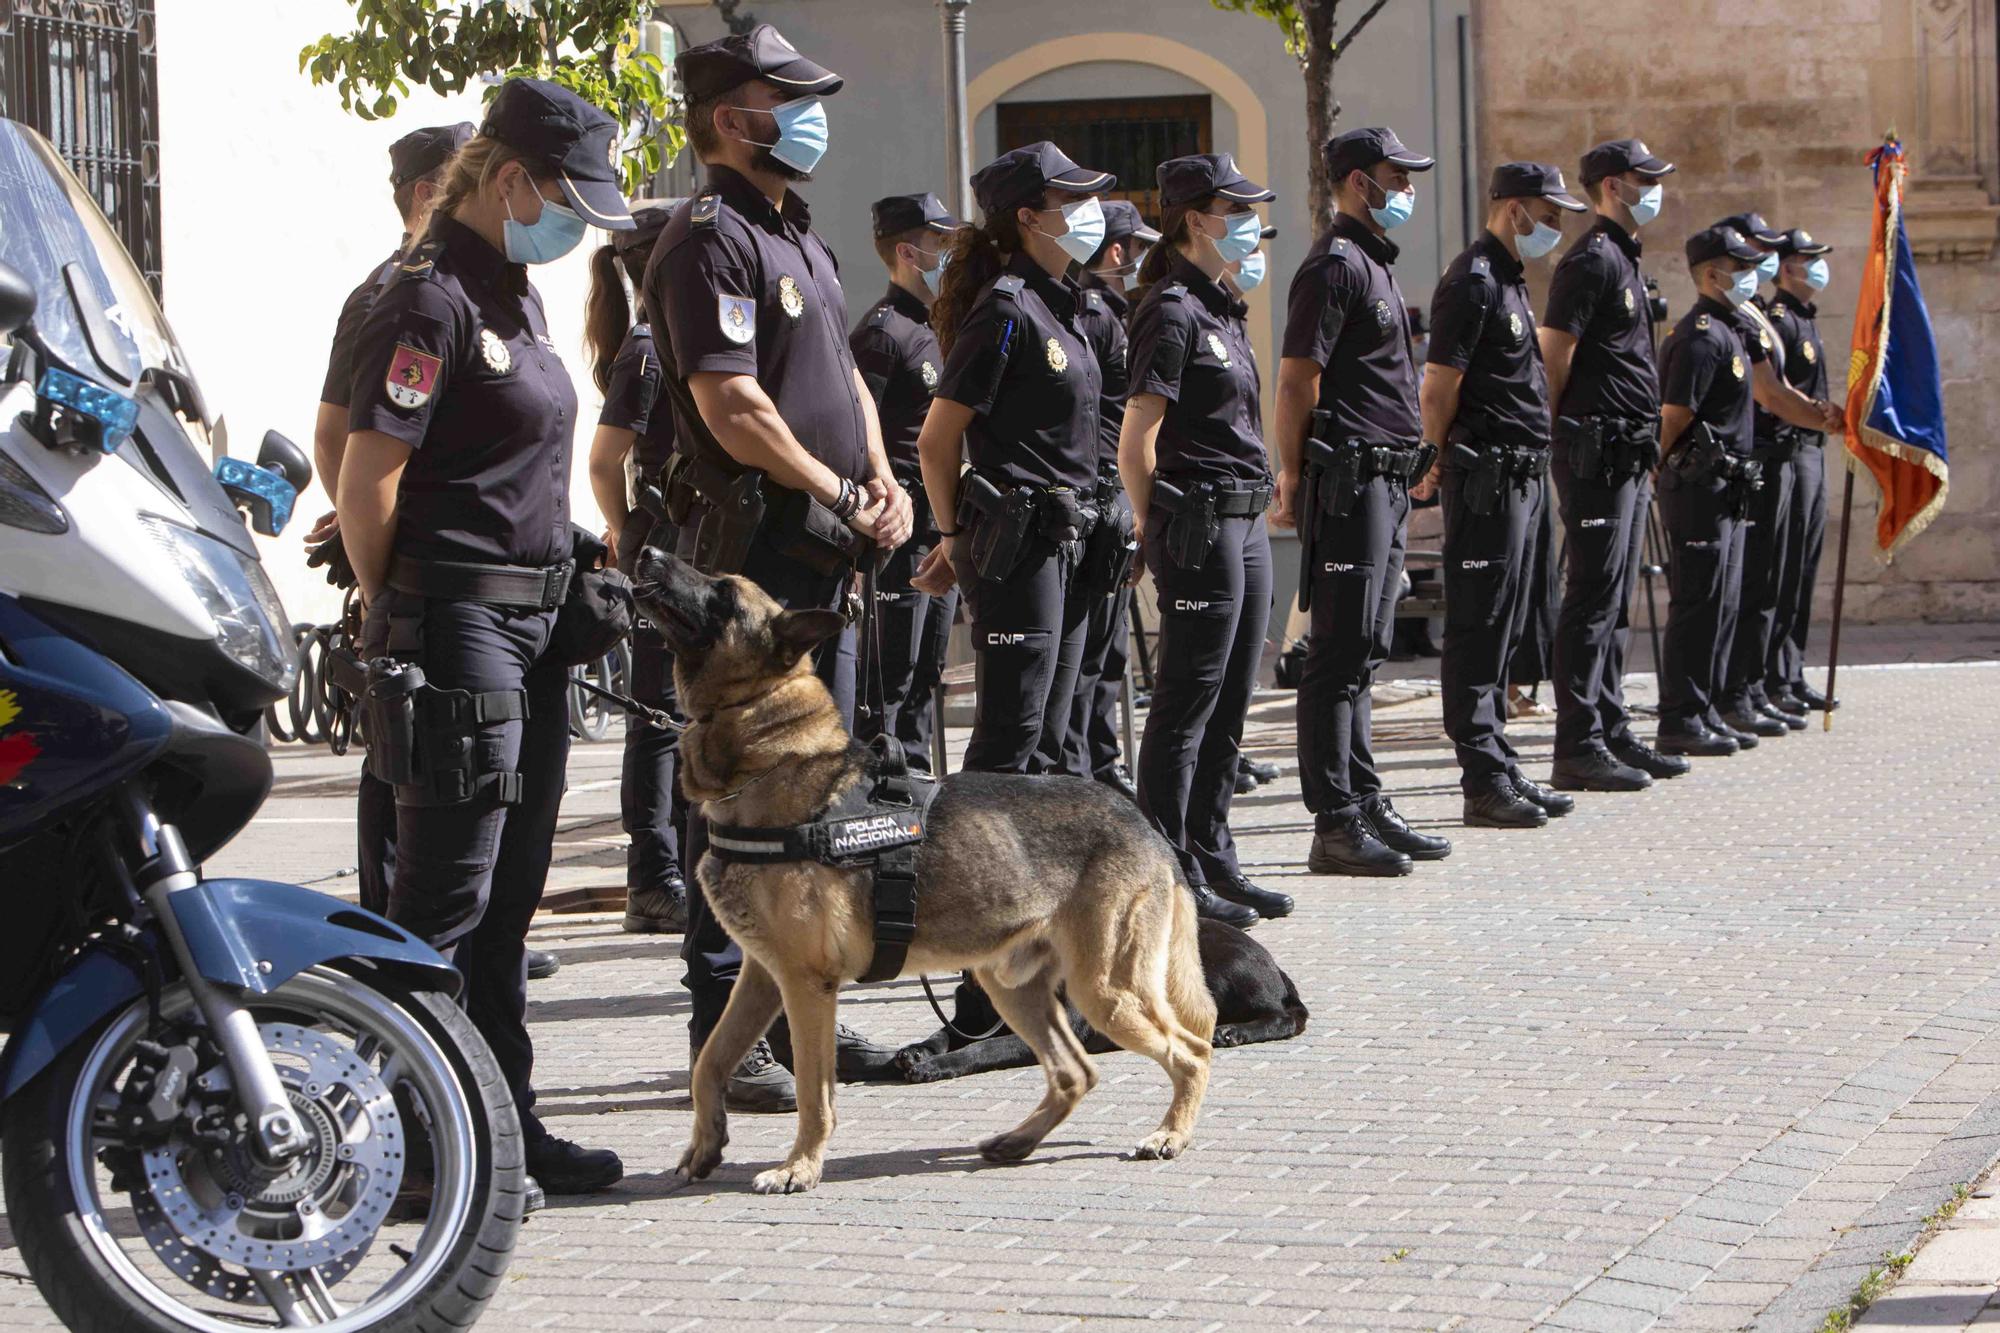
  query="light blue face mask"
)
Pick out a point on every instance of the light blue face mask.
point(935, 273)
point(1397, 206)
point(1086, 229)
point(1250, 274)
point(1742, 286)
point(802, 132)
point(1647, 206)
point(1245, 232)
point(1767, 267)
point(1818, 275)
point(554, 234)
point(1539, 241)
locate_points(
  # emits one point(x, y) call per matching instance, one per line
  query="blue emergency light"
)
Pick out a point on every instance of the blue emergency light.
point(268, 496)
point(72, 413)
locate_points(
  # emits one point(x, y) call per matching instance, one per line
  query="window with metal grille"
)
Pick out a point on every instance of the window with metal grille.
point(84, 73)
point(1128, 136)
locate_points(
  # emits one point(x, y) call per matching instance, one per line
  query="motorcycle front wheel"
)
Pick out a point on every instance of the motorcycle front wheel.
point(400, 1215)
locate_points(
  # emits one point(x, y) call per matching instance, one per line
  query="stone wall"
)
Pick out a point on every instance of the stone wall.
point(1773, 107)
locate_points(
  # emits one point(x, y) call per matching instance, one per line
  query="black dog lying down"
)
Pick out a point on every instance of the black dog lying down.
point(1254, 1001)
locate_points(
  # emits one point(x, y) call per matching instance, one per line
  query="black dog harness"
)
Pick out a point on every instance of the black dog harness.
point(878, 824)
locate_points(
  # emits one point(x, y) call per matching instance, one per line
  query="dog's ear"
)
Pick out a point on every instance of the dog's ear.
point(799, 632)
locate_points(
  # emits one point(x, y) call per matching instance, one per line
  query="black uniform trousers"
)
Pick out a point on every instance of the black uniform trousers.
point(1805, 540)
point(375, 842)
point(1092, 749)
point(713, 959)
point(1027, 637)
point(1534, 653)
point(1356, 567)
point(933, 649)
point(1488, 577)
point(906, 623)
point(651, 809)
point(1212, 625)
point(469, 876)
point(1704, 580)
point(1605, 527)
point(1766, 536)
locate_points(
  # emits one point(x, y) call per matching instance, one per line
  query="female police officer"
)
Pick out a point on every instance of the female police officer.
point(1021, 386)
point(454, 502)
point(1193, 459)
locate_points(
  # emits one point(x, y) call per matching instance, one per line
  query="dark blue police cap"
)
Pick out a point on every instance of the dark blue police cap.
point(648, 216)
point(1358, 150)
point(1533, 180)
point(1022, 174)
point(1799, 241)
point(899, 213)
point(566, 137)
point(1186, 179)
point(761, 53)
point(1753, 226)
point(1618, 156)
point(420, 152)
point(1122, 219)
point(1720, 242)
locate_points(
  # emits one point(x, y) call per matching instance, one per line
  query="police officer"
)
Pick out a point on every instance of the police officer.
point(768, 405)
point(1597, 346)
point(1349, 445)
point(1193, 460)
point(454, 506)
point(1243, 277)
point(1022, 388)
point(633, 442)
point(1486, 408)
point(900, 362)
point(1093, 745)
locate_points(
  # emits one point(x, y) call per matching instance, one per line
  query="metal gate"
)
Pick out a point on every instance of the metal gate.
point(85, 73)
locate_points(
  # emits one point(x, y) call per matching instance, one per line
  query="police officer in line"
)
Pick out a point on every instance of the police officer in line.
point(1486, 408)
point(1349, 444)
point(1802, 274)
point(1597, 347)
point(454, 507)
point(779, 468)
point(1708, 484)
point(1193, 460)
point(1023, 390)
point(1092, 748)
point(634, 440)
point(900, 362)
point(1243, 277)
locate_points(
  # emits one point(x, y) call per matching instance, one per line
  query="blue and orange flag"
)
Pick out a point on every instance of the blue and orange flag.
point(1895, 401)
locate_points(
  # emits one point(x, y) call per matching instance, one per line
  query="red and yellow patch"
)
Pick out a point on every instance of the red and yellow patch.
point(412, 375)
point(17, 749)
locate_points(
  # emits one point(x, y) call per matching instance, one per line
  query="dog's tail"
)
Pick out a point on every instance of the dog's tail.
point(1187, 987)
point(1295, 1008)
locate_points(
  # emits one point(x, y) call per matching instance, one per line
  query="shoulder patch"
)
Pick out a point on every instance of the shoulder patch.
point(1338, 246)
point(1482, 266)
point(1009, 284)
point(1701, 323)
point(417, 263)
point(878, 316)
point(1173, 291)
point(1095, 300)
point(707, 208)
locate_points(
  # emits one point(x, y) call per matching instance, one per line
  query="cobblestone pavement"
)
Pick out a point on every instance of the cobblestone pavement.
point(1687, 1059)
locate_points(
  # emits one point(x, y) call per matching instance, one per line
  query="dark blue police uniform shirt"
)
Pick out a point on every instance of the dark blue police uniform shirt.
point(456, 361)
point(631, 402)
point(742, 288)
point(1483, 326)
point(1024, 366)
point(1104, 316)
point(1347, 314)
point(1801, 356)
point(353, 314)
point(1598, 297)
point(1708, 366)
point(900, 363)
point(1190, 346)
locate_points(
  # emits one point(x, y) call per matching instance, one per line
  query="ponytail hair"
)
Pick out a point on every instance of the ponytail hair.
point(607, 314)
point(975, 256)
point(1174, 234)
point(470, 170)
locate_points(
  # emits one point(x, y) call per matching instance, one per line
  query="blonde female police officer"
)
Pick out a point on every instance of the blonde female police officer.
point(454, 503)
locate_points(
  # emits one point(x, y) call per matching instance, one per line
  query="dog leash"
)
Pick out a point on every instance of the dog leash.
point(951, 1027)
point(655, 717)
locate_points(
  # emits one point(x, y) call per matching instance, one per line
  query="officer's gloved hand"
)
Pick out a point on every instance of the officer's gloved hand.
point(331, 554)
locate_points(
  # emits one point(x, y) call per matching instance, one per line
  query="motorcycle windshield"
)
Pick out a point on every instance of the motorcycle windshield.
point(96, 312)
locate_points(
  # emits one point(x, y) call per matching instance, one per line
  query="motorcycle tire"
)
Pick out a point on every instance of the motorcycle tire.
point(60, 1239)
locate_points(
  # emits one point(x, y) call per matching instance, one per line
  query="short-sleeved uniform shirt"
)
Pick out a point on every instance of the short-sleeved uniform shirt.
point(1708, 364)
point(740, 287)
point(1483, 326)
point(1598, 297)
point(1346, 313)
point(1024, 365)
point(1190, 346)
point(456, 361)
point(1105, 312)
point(353, 314)
point(631, 402)
point(1800, 356)
point(900, 363)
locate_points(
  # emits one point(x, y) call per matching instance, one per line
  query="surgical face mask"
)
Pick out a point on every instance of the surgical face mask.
point(1742, 286)
point(1818, 275)
point(1243, 232)
point(1767, 267)
point(1250, 274)
point(933, 275)
point(1397, 205)
point(1086, 229)
point(558, 231)
point(802, 132)
point(1539, 241)
point(1647, 206)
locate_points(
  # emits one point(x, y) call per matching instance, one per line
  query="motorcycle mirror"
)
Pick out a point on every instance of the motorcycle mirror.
point(17, 300)
point(278, 454)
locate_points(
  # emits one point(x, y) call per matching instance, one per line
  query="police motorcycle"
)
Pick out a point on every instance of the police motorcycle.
point(224, 1103)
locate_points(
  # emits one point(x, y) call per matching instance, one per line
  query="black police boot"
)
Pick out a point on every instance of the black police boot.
point(1596, 770)
point(1554, 802)
point(1693, 737)
point(1119, 779)
point(1349, 845)
point(533, 1197)
point(1267, 903)
point(1629, 749)
point(1208, 904)
point(1813, 699)
point(1786, 702)
point(1394, 830)
point(1755, 723)
point(1246, 781)
point(855, 1058)
point(759, 1085)
point(1745, 740)
point(1495, 804)
point(1791, 721)
point(542, 963)
point(1262, 769)
point(661, 910)
point(562, 1167)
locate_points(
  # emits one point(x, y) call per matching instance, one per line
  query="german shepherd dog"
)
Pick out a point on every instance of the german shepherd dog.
point(1033, 884)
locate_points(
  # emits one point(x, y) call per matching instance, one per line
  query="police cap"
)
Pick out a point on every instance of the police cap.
point(1122, 219)
point(1799, 241)
point(420, 152)
point(1619, 156)
point(1358, 150)
point(761, 53)
point(1186, 179)
point(648, 216)
point(566, 137)
point(899, 213)
point(1753, 226)
point(1533, 180)
point(1720, 242)
point(1021, 175)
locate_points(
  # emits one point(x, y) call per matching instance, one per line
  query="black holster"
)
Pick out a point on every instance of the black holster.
point(1336, 475)
point(389, 714)
point(1113, 543)
point(1583, 444)
point(424, 741)
point(730, 514)
point(1191, 534)
point(1001, 522)
point(1485, 475)
point(805, 530)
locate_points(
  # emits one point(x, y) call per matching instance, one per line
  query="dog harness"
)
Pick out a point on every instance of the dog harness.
point(877, 824)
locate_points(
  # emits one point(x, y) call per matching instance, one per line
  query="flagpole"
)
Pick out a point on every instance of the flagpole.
point(1839, 595)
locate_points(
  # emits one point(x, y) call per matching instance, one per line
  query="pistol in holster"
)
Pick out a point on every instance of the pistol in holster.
point(389, 715)
point(1584, 442)
point(1191, 533)
point(1001, 523)
point(1335, 472)
point(732, 512)
point(1485, 473)
point(1113, 543)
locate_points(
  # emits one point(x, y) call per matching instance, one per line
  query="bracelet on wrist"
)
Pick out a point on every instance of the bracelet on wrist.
point(953, 533)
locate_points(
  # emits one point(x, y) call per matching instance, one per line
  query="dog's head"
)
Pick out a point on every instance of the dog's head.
point(731, 642)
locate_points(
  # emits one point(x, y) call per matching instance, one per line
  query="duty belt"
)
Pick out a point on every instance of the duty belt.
point(522, 587)
point(1233, 499)
point(1398, 462)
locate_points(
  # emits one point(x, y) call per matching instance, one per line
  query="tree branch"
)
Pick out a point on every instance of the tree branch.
point(1340, 47)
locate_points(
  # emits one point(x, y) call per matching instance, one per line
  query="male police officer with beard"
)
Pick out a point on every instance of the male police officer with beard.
point(780, 474)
